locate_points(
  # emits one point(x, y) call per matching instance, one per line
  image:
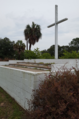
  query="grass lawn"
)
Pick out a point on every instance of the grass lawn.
point(9, 109)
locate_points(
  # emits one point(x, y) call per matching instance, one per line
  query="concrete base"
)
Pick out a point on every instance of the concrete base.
point(19, 83)
point(56, 61)
point(65, 64)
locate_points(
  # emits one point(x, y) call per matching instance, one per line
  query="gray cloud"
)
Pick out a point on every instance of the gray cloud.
point(15, 15)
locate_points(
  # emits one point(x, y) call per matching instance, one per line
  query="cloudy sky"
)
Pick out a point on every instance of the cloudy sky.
point(16, 14)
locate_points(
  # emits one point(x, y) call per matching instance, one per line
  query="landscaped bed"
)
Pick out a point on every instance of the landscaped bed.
point(27, 69)
point(35, 67)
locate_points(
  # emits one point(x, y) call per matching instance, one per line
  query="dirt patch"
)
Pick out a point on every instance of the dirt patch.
point(27, 69)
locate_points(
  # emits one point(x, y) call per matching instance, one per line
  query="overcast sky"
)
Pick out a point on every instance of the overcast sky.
point(16, 14)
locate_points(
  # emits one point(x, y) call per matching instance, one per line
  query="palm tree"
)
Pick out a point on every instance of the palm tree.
point(32, 34)
point(19, 46)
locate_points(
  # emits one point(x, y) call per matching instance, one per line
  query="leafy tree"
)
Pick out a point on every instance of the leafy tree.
point(44, 51)
point(61, 49)
point(6, 48)
point(75, 44)
point(33, 33)
point(51, 50)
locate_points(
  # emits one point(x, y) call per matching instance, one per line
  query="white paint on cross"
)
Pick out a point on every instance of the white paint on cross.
point(56, 30)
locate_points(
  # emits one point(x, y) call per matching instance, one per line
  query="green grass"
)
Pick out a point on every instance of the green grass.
point(9, 109)
point(41, 62)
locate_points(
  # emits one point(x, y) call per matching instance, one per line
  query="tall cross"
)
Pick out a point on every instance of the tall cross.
point(56, 30)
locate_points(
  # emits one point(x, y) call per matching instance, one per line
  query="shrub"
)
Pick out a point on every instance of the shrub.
point(38, 53)
point(46, 56)
point(29, 54)
point(19, 56)
point(6, 59)
point(56, 98)
point(69, 55)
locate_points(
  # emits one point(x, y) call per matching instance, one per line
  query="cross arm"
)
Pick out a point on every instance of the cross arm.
point(58, 22)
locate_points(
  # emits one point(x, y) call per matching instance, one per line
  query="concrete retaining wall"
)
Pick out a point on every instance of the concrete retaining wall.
point(10, 62)
point(67, 64)
point(56, 61)
point(4, 63)
point(19, 83)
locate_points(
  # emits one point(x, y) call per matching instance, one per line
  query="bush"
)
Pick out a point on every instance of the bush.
point(29, 54)
point(56, 98)
point(69, 55)
point(46, 56)
point(38, 53)
point(21, 56)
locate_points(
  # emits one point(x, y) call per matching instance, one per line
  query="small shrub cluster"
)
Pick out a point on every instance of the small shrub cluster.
point(70, 55)
point(57, 97)
point(36, 54)
point(41, 55)
point(19, 56)
point(29, 54)
point(46, 56)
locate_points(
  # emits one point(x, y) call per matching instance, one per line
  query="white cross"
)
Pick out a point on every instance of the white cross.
point(56, 30)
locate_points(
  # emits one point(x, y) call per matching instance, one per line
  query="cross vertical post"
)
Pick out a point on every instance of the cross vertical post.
point(56, 29)
point(56, 32)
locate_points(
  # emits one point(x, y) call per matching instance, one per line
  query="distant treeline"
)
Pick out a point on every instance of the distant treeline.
point(11, 50)
point(73, 46)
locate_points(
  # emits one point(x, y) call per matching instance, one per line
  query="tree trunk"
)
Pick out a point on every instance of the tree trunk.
point(26, 44)
point(30, 46)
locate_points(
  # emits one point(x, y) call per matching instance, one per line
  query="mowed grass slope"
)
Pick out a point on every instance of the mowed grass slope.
point(9, 109)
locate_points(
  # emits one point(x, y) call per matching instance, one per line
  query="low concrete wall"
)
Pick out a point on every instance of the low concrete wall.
point(15, 61)
point(39, 60)
point(66, 64)
point(56, 61)
point(10, 62)
point(4, 63)
point(62, 67)
point(19, 83)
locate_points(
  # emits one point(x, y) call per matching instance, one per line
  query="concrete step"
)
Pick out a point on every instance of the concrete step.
point(45, 64)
